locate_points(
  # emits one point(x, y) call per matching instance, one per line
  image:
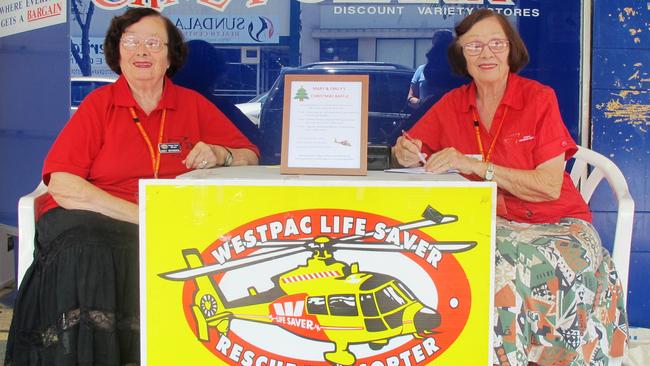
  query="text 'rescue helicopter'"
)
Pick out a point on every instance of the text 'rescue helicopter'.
point(324, 299)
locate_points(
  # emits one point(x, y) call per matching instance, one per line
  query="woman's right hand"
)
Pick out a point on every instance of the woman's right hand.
point(407, 152)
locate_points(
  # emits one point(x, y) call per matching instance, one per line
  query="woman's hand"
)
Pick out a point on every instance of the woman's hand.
point(544, 183)
point(450, 158)
point(407, 152)
point(204, 156)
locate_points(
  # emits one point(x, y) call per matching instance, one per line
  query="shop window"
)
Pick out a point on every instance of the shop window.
point(396, 51)
point(422, 46)
point(339, 50)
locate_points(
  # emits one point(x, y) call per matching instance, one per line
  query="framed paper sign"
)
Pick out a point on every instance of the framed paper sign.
point(325, 124)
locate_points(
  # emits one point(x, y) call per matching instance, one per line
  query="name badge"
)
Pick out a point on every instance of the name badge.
point(169, 148)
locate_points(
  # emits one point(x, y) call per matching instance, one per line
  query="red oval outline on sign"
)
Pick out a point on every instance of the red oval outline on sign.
point(449, 269)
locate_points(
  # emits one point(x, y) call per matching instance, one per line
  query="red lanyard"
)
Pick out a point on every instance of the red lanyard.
point(154, 154)
point(477, 130)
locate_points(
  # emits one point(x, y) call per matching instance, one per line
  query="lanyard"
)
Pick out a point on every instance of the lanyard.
point(154, 154)
point(477, 130)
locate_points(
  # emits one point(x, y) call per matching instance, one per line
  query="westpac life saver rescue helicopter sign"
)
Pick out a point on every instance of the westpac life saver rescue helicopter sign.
point(245, 275)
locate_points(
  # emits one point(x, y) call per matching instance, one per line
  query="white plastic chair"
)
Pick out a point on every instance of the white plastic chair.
point(587, 180)
point(27, 230)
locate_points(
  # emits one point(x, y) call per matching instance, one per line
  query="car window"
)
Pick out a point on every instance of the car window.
point(260, 98)
point(386, 104)
point(388, 92)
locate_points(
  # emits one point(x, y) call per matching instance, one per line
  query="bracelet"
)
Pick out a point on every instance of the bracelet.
point(411, 97)
point(227, 161)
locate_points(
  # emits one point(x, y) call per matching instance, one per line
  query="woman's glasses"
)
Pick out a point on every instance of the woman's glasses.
point(131, 43)
point(496, 45)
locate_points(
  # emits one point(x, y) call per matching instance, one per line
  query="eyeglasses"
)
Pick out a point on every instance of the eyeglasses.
point(496, 45)
point(153, 44)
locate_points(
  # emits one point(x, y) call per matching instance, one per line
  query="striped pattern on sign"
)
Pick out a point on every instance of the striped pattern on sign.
point(311, 276)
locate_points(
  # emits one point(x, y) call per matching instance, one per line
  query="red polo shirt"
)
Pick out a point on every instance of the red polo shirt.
point(102, 144)
point(533, 132)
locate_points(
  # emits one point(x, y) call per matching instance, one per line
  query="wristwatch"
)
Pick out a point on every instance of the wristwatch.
point(227, 161)
point(489, 172)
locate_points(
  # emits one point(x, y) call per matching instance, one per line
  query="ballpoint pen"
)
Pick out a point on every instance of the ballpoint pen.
point(421, 155)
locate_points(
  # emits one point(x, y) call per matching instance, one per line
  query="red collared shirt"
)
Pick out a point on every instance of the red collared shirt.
point(102, 144)
point(533, 132)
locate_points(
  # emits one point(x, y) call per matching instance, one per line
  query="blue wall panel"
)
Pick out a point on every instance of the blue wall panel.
point(638, 305)
point(619, 132)
point(620, 114)
point(638, 301)
point(613, 68)
point(620, 24)
point(34, 105)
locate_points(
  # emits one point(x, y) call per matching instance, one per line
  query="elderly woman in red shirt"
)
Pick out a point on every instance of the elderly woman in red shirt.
point(78, 303)
point(557, 298)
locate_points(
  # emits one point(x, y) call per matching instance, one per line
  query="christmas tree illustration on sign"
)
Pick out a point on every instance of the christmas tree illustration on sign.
point(301, 94)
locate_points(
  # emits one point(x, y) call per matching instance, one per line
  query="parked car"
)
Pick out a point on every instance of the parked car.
point(253, 107)
point(387, 115)
point(80, 86)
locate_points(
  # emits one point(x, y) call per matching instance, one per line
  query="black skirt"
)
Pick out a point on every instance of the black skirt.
point(78, 303)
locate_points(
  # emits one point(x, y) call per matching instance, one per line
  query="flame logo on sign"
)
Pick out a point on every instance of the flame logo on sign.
point(262, 30)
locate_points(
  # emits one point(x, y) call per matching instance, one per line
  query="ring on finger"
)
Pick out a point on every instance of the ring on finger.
point(203, 164)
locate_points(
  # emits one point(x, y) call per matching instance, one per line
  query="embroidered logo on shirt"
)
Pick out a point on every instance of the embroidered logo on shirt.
point(526, 138)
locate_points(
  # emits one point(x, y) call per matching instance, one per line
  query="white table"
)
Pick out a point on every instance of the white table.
point(273, 173)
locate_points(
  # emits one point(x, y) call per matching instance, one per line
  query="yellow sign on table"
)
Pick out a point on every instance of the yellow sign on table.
point(315, 271)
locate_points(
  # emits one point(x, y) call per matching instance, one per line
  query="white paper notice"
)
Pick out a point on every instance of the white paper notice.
point(18, 16)
point(417, 170)
point(325, 120)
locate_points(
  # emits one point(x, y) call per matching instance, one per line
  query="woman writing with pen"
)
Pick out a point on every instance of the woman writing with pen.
point(514, 124)
point(421, 156)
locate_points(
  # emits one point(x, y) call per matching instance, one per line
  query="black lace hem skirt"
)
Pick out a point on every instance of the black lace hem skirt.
point(78, 302)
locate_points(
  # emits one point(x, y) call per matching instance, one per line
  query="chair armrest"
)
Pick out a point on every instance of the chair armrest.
point(27, 229)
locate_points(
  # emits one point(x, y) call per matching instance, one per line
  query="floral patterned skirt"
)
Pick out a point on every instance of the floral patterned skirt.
point(558, 299)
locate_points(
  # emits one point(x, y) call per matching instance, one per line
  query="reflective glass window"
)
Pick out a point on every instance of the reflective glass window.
point(316, 305)
point(388, 299)
point(345, 305)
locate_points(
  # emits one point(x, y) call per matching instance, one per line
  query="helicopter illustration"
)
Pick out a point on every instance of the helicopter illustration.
point(325, 299)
